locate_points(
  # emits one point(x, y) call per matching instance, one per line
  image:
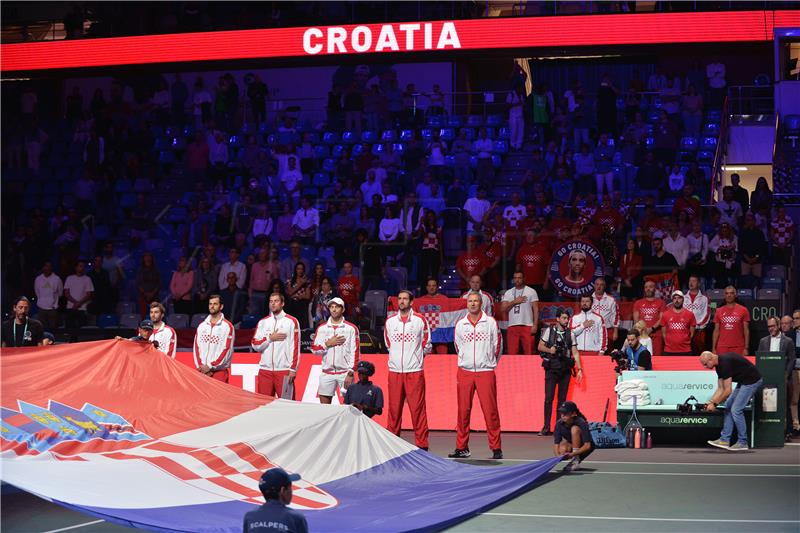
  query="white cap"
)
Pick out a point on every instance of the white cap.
point(677, 293)
point(337, 301)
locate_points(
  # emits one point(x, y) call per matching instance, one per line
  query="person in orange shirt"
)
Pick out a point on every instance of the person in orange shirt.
point(649, 310)
point(349, 289)
point(731, 326)
point(533, 258)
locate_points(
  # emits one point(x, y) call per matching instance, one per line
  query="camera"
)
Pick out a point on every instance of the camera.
point(620, 360)
point(687, 408)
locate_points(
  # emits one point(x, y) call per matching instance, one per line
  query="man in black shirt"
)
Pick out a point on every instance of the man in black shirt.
point(571, 438)
point(21, 330)
point(661, 262)
point(732, 367)
point(274, 516)
point(365, 395)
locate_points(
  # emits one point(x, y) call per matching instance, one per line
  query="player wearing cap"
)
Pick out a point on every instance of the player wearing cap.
point(649, 309)
point(487, 303)
point(697, 302)
point(588, 329)
point(337, 341)
point(277, 337)
point(365, 395)
point(679, 324)
point(572, 438)
point(274, 516)
point(164, 337)
point(408, 340)
point(606, 306)
point(732, 326)
point(213, 342)
point(478, 344)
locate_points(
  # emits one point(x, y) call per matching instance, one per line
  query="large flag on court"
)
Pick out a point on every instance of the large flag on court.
point(119, 431)
point(440, 312)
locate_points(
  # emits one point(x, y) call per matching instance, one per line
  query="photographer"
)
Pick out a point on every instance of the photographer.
point(559, 357)
point(639, 357)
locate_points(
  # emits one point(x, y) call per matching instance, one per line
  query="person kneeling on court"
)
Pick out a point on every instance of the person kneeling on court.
point(571, 438)
point(365, 395)
point(276, 486)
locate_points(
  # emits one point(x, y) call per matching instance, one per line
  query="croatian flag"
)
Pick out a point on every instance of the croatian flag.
point(119, 431)
point(441, 313)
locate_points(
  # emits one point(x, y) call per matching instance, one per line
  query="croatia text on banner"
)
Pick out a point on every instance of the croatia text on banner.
point(441, 312)
point(665, 284)
point(144, 440)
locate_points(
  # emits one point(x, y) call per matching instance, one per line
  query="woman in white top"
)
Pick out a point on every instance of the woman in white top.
point(516, 122)
point(644, 338)
point(437, 149)
point(262, 224)
point(390, 226)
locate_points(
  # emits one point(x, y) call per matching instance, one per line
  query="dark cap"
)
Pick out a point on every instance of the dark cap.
point(275, 479)
point(49, 336)
point(146, 324)
point(365, 367)
point(568, 407)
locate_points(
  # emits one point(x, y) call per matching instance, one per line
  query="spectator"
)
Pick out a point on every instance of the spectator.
point(677, 245)
point(234, 300)
point(676, 180)
point(353, 108)
point(477, 209)
point(725, 247)
point(298, 292)
point(644, 336)
point(604, 172)
point(78, 291)
point(305, 222)
point(679, 325)
point(205, 284)
point(288, 264)
point(740, 194)
point(482, 147)
point(374, 105)
point(201, 104)
point(781, 231)
point(431, 256)
point(761, 198)
point(218, 153)
point(179, 94)
point(435, 101)
point(292, 179)
point(692, 104)
point(650, 177)
point(539, 113)
point(390, 227)
point(334, 108)
point(235, 266)
point(671, 99)
point(687, 203)
point(104, 299)
point(563, 187)
point(148, 283)
point(698, 251)
point(665, 139)
point(180, 287)
point(515, 212)
point(752, 247)
point(22, 331)
point(197, 157)
point(584, 168)
point(371, 185)
point(731, 326)
point(649, 309)
point(49, 289)
point(348, 288)
point(516, 121)
point(262, 224)
point(607, 106)
point(661, 262)
point(522, 305)
point(637, 354)
point(257, 92)
point(471, 262)
point(436, 151)
point(318, 309)
point(697, 303)
point(731, 210)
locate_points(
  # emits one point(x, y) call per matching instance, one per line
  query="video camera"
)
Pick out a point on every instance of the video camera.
point(687, 408)
point(621, 361)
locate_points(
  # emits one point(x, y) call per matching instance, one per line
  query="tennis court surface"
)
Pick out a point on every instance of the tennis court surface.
point(663, 489)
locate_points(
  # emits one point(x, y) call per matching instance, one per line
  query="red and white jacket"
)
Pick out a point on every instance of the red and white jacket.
point(478, 345)
point(593, 338)
point(408, 340)
point(337, 359)
point(213, 344)
point(487, 303)
point(698, 304)
point(278, 356)
point(167, 339)
point(606, 306)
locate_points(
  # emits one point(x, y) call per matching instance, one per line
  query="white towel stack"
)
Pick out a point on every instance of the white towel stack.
point(628, 390)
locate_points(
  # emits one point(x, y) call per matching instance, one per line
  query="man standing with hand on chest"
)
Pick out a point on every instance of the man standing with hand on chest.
point(522, 305)
point(277, 337)
point(337, 341)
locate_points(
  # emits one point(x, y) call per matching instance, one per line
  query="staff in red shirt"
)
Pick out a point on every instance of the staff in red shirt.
point(533, 258)
point(349, 289)
point(432, 291)
point(679, 324)
point(649, 310)
point(470, 263)
point(731, 326)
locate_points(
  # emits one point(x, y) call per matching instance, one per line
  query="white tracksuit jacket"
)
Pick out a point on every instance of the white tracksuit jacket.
point(593, 338)
point(408, 342)
point(606, 306)
point(278, 356)
point(167, 339)
point(213, 344)
point(478, 345)
point(337, 359)
point(487, 303)
point(698, 304)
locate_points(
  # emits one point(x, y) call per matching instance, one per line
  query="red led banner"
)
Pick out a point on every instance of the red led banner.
point(475, 34)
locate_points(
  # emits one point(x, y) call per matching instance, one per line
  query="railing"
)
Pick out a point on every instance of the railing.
point(751, 103)
point(720, 152)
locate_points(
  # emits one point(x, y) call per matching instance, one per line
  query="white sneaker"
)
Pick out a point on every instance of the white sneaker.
point(573, 465)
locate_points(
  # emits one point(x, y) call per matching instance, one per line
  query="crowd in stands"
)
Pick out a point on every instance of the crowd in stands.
point(173, 193)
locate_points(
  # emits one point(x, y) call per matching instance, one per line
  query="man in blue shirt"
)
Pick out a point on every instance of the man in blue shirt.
point(638, 356)
point(364, 395)
point(276, 486)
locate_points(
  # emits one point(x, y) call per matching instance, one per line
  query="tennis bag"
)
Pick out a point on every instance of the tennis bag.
point(605, 435)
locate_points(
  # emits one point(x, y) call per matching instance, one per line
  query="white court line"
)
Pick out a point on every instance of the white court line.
point(648, 519)
point(76, 526)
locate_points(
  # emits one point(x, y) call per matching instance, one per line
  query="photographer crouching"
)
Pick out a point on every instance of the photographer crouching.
point(560, 360)
point(633, 355)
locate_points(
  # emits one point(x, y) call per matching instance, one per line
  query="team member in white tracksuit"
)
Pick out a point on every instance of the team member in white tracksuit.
point(408, 340)
point(338, 343)
point(606, 306)
point(697, 303)
point(277, 337)
point(478, 344)
point(588, 329)
point(162, 333)
point(213, 342)
point(487, 303)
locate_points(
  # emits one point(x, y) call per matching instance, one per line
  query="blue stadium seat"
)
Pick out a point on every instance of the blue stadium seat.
point(772, 283)
point(744, 294)
point(406, 135)
point(337, 151)
point(330, 137)
point(494, 120)
point(389, 136)
point(454, 121)
point(107, 321)
point(709, 143)
point(321, 151)
point(705, 156)
point(500, 147)
point(349, 137)
point(166, 157)
point(426, 134)
point(714, 115)
point(249, 321)
point(497, 161)
point(473, 161)
point(711, 129)
point(435, 121)
point(369, 136)
point(399, 148)
point(688, 144)
point(357, 150)
point(653, 116)
point(447, 134)
point(475, 121)
point(469, 133)
point(504, 133)
point(321, 179)
point(329, 165)
point(377, 149)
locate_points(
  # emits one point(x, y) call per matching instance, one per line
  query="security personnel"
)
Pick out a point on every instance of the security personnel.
point(572, 438)
point(274, 516)
point(22, 331)
point(560, 355)
point(143, 334)
point(365, 395)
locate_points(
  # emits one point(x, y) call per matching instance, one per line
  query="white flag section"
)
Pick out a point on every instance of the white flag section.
point(139, 439)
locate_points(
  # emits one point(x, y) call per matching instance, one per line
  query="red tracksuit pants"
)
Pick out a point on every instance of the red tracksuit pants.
point(221, 375)
point(271, 382)
point(408, 386)
point(486, 384)
point(516, 335)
